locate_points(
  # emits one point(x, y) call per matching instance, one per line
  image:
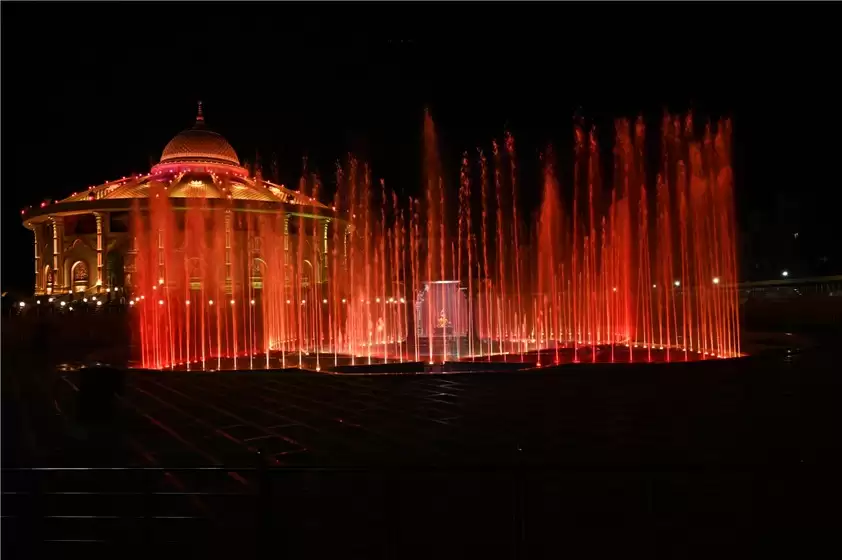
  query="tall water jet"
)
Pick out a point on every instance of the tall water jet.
point(637, 271)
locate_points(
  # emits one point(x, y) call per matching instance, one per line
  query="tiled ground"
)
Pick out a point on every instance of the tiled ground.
point(638, 415)
point(520, 464)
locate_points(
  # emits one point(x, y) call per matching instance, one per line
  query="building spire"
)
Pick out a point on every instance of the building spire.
point(200, 118)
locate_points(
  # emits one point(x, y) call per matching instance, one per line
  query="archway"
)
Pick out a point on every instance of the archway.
point(79, 274)
point(307, 277)
point(258, 272)
point(195, 271)
point(48, 280)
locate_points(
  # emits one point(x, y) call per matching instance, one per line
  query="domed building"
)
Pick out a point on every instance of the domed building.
point(83, 242)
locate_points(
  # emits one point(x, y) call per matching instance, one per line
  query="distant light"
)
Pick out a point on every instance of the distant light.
point(93, 298)
point(615, 289)
point(22, 304)
point(677, 283)
point(377, 300)
point(232, 302)
point(303, 301)
point(99, 303)
point(142, 297)
point(85, 300)
point(51, 300)
point(38, 301)
point(785, 273)
point(252, 302)
point(288, 302)
point(716, 279)
point(403, 300)
point(343, 300)
point(187, 302)
point(70, 308)
point(324, 301)
point(154, 287)
point(654, 285)
point(107, 289)
point(62, 304)
point(210, 302)
point(160, 302)
point(131, 302)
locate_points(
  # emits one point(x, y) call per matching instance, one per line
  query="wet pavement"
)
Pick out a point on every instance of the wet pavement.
point(684, 459)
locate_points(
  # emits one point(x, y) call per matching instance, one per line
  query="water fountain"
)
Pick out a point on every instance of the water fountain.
point(634, 273)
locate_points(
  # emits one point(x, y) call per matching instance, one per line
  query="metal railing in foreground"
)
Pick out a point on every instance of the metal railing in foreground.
point(506, 507)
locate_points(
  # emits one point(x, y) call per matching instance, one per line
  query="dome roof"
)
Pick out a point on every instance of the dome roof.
point(199, 144)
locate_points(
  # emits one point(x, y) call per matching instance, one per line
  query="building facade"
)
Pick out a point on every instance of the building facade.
point(84, 243)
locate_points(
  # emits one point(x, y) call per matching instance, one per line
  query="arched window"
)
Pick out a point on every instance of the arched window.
point(79, 273)
point(306, 273)
point(195, 272)
point(48, 279)
point(258, 267)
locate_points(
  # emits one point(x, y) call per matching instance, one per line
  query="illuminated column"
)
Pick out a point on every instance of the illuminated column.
point(345, 245)
point(36, 230)
point(286, 232)
point(325, 254)
point(106, 235)
point(228, 284)
point(129, 266)
point(160, 255)
point(99, 244)
point(58, 254)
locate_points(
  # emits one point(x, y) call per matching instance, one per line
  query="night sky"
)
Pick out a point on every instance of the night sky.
point(92, 92)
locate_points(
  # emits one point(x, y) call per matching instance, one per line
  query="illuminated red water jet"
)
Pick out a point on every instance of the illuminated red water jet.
point(640, 273)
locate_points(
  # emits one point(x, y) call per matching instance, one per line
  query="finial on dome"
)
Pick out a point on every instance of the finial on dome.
point(200, 118)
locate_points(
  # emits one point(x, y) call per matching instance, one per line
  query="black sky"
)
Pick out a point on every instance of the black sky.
point(92, 92)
